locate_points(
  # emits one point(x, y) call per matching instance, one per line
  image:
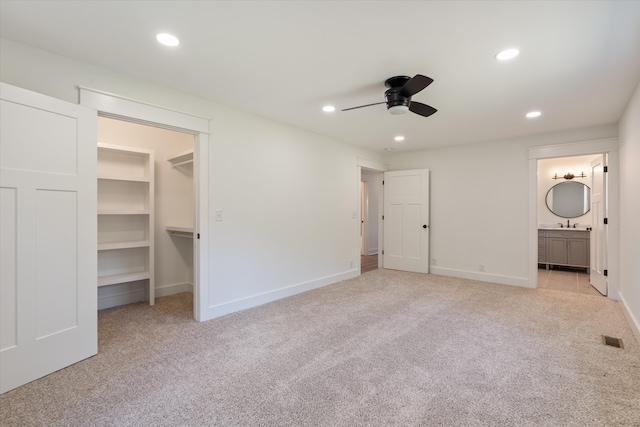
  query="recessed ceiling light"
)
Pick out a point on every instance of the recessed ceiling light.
point(507, 54)
point(388, 149)
point(167, 39)
point(533, 114)
point(399, 138)
point(328, 108)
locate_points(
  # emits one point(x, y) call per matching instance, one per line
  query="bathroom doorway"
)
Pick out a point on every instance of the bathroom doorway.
point(540, 214)
point(565, 221)
point(370, 218)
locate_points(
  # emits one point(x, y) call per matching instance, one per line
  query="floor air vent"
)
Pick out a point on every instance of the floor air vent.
point(611, 341)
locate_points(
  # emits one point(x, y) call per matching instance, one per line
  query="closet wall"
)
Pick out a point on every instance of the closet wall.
point(174, 206)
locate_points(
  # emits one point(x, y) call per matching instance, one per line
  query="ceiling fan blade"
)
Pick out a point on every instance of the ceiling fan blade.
point(415, 85)
point(421, 109)
point(362, 106)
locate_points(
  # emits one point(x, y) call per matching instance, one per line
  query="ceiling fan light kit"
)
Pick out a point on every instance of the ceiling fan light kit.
point(398, 109)
point(399, 93)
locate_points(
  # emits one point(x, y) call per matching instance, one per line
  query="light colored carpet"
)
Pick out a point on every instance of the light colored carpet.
point(385, 349)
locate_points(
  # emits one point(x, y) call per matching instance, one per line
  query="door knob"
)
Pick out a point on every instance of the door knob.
point(425, 226)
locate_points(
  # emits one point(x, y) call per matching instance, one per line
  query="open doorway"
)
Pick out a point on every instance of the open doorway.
point(146, 212)
point(370, 218)
point(609, 147)
point(566, 246)
point(130, 110)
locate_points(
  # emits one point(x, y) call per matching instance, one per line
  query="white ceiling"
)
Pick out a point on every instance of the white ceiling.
point(284, 60)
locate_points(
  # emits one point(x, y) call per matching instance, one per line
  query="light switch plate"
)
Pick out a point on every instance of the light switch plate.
point(218, 214)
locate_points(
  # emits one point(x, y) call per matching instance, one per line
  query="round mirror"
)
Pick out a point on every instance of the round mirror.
point(568, 199)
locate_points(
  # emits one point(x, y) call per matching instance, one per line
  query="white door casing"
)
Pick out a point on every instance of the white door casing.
point(48, 273)
point(127, 109)
point(406, 220)
point(598, 239)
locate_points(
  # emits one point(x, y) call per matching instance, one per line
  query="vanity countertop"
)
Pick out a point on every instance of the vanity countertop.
point(556, 227)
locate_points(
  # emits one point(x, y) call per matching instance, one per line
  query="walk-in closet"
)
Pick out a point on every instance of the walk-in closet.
point(145, 212)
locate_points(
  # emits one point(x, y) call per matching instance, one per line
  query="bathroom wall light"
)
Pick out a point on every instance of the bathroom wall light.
point(568, 175)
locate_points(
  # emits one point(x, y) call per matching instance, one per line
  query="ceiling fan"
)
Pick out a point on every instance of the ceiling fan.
point(399, 93)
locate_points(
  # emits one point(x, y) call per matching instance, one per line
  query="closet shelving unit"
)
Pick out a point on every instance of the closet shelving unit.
point(125, 216)
point(182, 158)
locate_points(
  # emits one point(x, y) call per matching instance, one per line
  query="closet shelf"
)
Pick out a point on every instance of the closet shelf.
point(180, 231)
point(123, 245)
point(124, 212)
point(120, 178)
point(181, 158)
point(123, 278)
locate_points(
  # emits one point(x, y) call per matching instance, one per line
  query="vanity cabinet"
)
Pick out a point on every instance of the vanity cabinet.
point(564, 247)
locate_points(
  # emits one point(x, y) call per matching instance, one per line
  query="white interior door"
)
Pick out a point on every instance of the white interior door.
point(598, 238)
point(406, 220)
point(48, 275)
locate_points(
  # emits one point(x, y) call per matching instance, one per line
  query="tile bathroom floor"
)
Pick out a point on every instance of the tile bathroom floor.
point(566, 279)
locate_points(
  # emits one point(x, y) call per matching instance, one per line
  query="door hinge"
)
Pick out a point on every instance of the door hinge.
point(382, 216)
point(198, 236)
point(606, 168)
point(606, 220)
point(606, 272)
point(383, 182)
point(383, 252)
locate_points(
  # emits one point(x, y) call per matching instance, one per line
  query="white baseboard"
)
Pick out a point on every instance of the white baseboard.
point(259, 299)
point(176, 288)
point(121, 298)
point(128, 295)
point(633, 322)
point(483, 277)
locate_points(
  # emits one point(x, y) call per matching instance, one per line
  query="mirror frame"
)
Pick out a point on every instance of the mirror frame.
point(546, 199)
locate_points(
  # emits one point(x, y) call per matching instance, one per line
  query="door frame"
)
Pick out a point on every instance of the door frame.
point(380, 168)
point(130, 110)
point(364, 212)
point(608, 146)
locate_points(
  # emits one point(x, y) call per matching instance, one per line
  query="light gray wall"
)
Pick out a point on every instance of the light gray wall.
point(629, 138)
point(479, 204)
point(289, 197)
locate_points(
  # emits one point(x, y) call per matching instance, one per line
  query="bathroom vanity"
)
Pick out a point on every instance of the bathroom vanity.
point(563, 246)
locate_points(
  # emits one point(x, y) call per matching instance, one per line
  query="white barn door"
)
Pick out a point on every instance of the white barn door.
point(406, 220)
point(48, 293)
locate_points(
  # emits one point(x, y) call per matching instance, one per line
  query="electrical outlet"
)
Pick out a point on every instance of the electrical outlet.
point(434, 261)
point(350, 264)
point(481, 267)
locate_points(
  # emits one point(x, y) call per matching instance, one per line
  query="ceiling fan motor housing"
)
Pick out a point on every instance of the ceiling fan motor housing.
point(393, 96)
